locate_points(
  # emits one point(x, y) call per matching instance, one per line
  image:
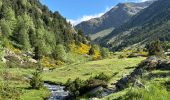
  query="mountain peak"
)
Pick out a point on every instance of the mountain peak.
point(150, 24)
point(114, 18)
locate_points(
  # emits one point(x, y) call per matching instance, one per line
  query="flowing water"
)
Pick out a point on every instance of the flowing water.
point(57, 92)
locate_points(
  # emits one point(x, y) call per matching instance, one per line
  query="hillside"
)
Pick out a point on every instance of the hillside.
point(150, 24)
point(28, 25)
point(113, 18)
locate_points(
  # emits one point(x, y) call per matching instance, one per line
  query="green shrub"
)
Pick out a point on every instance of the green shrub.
point(155, 48)
point(102, 77)
point(75, 87)
point(36, 81)
point(79, 87)
point(104, 52)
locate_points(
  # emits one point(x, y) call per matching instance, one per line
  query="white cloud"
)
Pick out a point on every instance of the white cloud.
point(88, 17)
point(84, 18)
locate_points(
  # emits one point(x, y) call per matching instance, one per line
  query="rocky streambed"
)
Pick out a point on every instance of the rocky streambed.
point(57, 92)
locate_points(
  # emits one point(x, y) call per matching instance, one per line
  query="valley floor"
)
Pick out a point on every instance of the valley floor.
point(117, 68)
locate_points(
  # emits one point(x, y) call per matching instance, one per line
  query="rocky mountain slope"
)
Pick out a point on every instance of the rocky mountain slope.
point(150, 24)
point(113, 18)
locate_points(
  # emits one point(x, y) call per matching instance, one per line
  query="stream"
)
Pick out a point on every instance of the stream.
point(57, 92)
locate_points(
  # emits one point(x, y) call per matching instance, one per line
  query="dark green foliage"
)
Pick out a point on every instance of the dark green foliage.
point(59, 53)
point(91, 51)
point(103, 77)
point(155, 48)
point(75, 87)
point(36, 81)
point(5, 29)
point(166, 46)
point(104, 52)
point(38, 53)
point(79, 87)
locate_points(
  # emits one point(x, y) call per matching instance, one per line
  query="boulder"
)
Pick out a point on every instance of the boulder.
point(164, 66)
point(151, 63)
point(122, 83)
point(32, 60)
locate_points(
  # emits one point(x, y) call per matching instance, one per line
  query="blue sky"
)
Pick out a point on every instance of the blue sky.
point(82, 10)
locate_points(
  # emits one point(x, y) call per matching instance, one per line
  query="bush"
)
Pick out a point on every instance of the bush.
point(104, 52)
point(75, 87)
point(79, 87)
point(102, 77)
point(155, 48)
point(36, 81)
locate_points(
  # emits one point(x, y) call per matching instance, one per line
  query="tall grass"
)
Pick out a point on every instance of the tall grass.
point(152, 92)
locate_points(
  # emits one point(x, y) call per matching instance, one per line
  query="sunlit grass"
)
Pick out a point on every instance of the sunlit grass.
point(86, 70)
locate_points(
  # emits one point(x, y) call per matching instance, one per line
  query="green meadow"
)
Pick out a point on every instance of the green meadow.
point(114, 67)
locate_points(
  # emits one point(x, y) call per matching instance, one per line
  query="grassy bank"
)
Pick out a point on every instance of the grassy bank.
point(157, 87)
point(17, 85)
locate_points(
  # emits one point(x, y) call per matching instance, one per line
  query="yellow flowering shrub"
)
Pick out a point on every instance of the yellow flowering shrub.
point(47, 62)
point(82, 49)
point(17, 51)
point(58, 62)
point(97, 55)
point(143, 53)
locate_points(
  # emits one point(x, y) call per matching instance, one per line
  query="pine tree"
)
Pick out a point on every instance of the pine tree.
point(36, 81)
point(5, 28)
point(59, 53)
point(104, 52)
